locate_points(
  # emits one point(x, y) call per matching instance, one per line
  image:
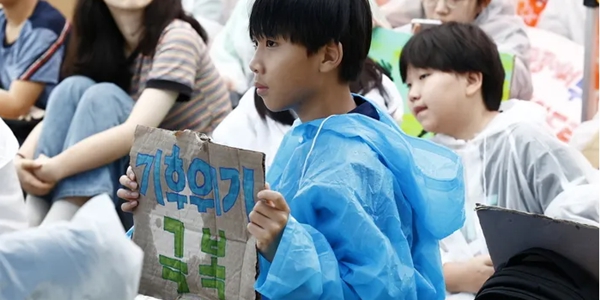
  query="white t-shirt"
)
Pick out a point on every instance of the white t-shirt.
point(12, 204)
point(243, 127)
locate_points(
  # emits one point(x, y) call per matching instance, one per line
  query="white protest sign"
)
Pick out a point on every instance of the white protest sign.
point(556, 65)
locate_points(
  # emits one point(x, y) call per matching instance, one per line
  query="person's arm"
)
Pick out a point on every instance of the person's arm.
point(19, 99)
point(521, 83)
point(509, 32)
point(556, 170)
point(400, 12)
point(39, 59)
point(172, 78)
point(339, 252)
point(468, 276)
point(149, 110)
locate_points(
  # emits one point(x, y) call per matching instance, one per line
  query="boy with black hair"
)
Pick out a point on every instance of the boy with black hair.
point(355, 208)
point(455, 80)
point(362, 225)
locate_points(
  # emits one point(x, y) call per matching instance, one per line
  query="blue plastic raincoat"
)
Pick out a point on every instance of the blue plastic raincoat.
point(368, 207)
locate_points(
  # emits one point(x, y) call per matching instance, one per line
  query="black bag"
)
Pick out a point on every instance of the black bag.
point(539, 274)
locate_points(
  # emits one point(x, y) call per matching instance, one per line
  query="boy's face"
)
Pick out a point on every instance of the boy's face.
point(437, 99)
point(284, 73)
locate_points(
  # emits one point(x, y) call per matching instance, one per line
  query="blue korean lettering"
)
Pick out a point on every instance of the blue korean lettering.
point(200, 194)
point(233, 175)
point(248, 185)
point(175, 178)
point(148, 161)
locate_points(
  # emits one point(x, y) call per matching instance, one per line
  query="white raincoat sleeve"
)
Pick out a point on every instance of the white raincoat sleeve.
point(393, 102)
point(12, 204)
point(500, 21)
point(557, 172)
point(401, 12)
point(87, 258)
point(231, 50)
point(208, 13)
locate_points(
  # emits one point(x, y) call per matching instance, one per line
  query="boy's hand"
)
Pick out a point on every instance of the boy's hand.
point(480, 269)
point(268, 220)
point(129, 193)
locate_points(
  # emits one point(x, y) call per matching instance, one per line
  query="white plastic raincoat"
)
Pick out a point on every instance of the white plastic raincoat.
point(87, 258)
point(516, 163)
point(12, 204)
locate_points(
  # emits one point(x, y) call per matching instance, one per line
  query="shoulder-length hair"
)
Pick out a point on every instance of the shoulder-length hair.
point(97, 47)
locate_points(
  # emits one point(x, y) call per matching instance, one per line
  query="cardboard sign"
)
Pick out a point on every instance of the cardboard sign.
point(192, 215)
point(508, 232)
point(386, 47)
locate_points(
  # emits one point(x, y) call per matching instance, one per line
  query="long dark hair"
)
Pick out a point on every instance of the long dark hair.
point(371, 77)
point(96, 46)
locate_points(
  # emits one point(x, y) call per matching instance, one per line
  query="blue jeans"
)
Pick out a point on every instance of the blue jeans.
point(78, 108)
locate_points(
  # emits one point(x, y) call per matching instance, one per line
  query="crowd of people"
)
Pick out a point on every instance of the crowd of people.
point(291, 79)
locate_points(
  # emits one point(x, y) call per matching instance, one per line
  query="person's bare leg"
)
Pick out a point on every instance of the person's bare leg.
point(64, 209)
point(36, 209)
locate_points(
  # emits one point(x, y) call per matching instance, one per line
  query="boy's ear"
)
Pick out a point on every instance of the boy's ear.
point(474, 83)
point(332, 55)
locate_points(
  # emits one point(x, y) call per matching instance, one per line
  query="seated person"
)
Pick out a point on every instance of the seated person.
point(511, 159)
point(355, 208)
point(498, 19)
point(232, 50)
point(33, 36)
point(252, 126)
point(119, 78)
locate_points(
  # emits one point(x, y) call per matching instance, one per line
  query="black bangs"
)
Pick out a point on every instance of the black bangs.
point(434, 48)
point(315, 23)
point(457, 48)
point(311, 23)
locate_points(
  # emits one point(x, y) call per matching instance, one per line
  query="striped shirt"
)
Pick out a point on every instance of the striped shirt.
point(181, 64)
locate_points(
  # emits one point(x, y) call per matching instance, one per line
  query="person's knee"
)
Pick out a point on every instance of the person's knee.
point(70, 90)
point(106, 96)
point(76, 82)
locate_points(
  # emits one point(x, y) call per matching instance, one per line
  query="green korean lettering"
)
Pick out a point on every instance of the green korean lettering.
point(213, 247)
point(176, 228)
point(175, 270)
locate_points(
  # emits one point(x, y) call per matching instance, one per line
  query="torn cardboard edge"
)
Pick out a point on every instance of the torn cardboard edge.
point(508, 232)
point(193, 145)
